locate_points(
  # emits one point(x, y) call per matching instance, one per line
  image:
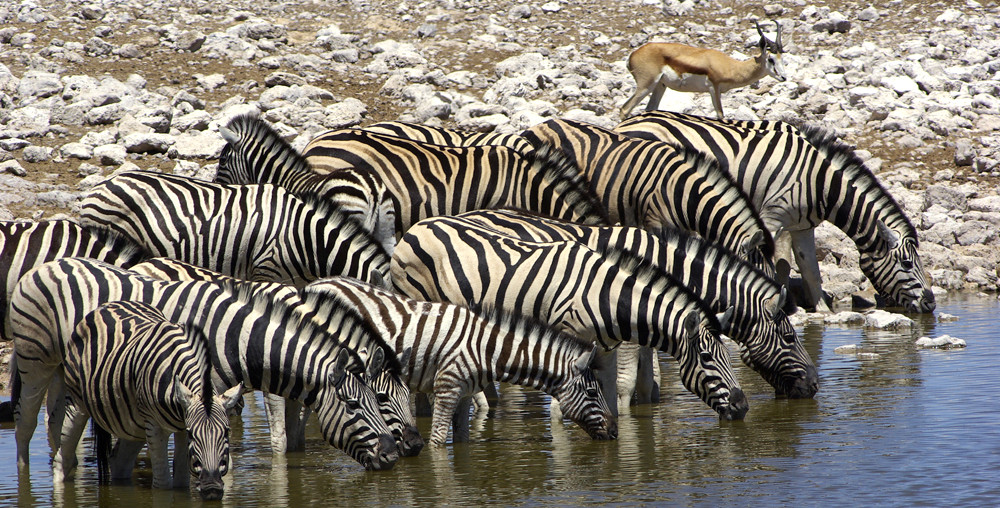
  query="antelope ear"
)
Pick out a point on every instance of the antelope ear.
point(584, 361)
point(231, 397)
point(375, 363)
point(887, 236)
point(339, 371)
point(692, 322)
point(725, 319)
point(183, 394)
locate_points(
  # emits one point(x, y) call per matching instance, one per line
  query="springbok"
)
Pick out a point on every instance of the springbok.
point(658, 65)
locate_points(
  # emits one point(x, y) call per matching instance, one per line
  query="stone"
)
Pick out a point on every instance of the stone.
point(551, 7)
point(13, 167)
point(845, 318)
point(835, 22)
point(148, 142)
point(39, 84)
point(76, 151)
point(199, 145)
point(110, 155)
point(940, 342)
point(882, 320)
point(868, 14)
point(37, 153)
point(519, 11)
point(945, 196)
point(195, 120)
point(964, 152)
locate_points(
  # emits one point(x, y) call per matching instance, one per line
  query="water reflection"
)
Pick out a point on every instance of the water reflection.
point(909, 426)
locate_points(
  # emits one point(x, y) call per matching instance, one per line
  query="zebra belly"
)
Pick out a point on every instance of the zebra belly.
point(684, 82)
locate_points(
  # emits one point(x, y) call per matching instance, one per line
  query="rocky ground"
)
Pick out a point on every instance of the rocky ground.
point(88, 88)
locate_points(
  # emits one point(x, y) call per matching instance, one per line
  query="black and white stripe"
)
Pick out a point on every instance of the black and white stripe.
point(449, 137)
point(652, 184)
point(760, 324)
point(260, 342)
point(390, 389)
point(452, 352)
point(799, 178)
point(141, 378)
point(252, 232)
point(428, 180)
point(255, 153)
point(605, 297)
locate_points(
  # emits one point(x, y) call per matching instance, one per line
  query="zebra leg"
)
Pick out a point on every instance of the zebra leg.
point(627, 366)
point(605, 369)
point(64, 461)
point(182, 462)
point(29, 403)
point(445, 404)
point(481, 403)
point(647, 391)
point(460, 421)
point(804, 249)
point(423, 405)
point(157, 438)
point(55, 406)
point(295, 425)
point(123, 458)
point(275, 408)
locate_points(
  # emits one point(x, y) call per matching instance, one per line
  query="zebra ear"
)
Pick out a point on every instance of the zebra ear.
point(692, 323)
point(404, 357)
point(886, 235)
point(339, 371)
point(231, 397)
point(228, 135)
point(776, 305)
point(725, 319)
point(183, 394)
point(584, 361)
point(755, 241)
point(375, 363)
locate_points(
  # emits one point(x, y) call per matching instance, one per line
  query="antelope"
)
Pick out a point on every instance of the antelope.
point(658, 65)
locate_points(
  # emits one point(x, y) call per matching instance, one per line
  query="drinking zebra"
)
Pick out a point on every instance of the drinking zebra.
point(253, 232)
point(262, 343)
point(255, 153)
point(454, 353)
point(760, 324)
point(450, 137)
point(25, 245)
point(606, 297)
point(799, 178)
point(428, 180)
point(390, 389)
point(652, 184)
point(141, 377)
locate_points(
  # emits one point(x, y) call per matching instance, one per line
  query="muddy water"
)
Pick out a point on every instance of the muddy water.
point(899, 425)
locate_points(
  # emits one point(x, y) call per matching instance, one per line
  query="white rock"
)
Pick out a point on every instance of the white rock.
point(76, 151)
point(868, 14)
point(148, 142)
point(900, 84)
point(110, 155)
point(883, 320)
point(845, 318)
point(949, 16)
point(551, 7)
point(848, 349)
point(942, 342)
point(39, 84)
point(197, 145)
point(13, 167)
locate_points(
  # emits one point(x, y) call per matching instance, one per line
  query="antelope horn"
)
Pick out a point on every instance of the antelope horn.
point(777, 38)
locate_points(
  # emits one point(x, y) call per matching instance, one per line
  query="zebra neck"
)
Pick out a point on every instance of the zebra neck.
point(534, 360)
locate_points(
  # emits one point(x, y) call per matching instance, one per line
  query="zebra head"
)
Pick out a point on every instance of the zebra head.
point(207, 422)
point(581, 399)
point(349, 417)
point(896, 272)
point(705, 367)
point(775, 352)
point(393, 397)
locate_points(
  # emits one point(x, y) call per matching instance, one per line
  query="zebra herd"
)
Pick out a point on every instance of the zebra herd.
point(403, 258)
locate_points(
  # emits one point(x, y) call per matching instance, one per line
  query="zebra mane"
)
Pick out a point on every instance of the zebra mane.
point(334, 216)
point(844, 158)
point(525, 324)
point(648, 273)
point(249, 127)
point(245, 293)
point(697, 159)
point(127, 250)
point(718, 256)
point(560, 169)
point(326, 303)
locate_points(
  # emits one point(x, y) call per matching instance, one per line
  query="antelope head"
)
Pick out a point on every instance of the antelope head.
point(770, 52)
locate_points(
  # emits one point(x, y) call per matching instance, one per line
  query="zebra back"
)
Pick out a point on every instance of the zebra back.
point(449, 137)
point(428, 180)
point(609, 297)
point(452, 351)
point(258, 232)
point(255, 340)
point(130, 367)
point(650, 184)
point(25, 245)
point(256, 153)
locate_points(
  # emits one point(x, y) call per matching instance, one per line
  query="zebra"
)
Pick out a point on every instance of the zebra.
point(256, 153)
point(263, 343)
point(797, 178)
point(652, 184)
point(141, 377)
point(428, 180)
point(449, 137)
point(25, 245)
point(454, 352)
point(253, 232)
point(391, 391)
point(760, 324)
point(606, 297)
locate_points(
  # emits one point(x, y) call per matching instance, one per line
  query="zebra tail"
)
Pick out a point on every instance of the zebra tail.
point(102, 448)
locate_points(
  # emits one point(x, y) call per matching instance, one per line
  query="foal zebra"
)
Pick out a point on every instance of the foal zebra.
point(253, 232)
point(141, 377)
point(391, 391)
point(606, 297)
point(428, 180)
point(260, 342)
point(450, 137)
point(760, 325)
point(799, 178)
point(255, 153)
point(25, 245)
point(652, 184)
point(454, 353)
